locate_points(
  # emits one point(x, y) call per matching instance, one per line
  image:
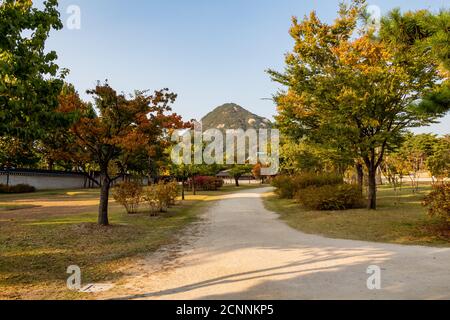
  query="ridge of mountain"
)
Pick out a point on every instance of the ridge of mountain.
point(233, 116)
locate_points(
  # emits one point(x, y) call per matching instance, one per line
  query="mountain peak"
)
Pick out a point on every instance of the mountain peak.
point(233, 116)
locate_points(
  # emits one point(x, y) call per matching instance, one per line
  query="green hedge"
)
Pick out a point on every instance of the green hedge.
point(288, 186)
point(20, 188)
point(330, 197)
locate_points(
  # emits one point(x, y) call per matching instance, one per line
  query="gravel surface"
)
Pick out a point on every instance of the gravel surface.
point(242, 251)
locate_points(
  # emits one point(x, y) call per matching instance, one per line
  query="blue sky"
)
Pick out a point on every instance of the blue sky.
point(209, 52)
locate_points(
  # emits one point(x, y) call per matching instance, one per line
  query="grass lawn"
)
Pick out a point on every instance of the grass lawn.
point(11, 207)
point(43, 233)
point(400, 220)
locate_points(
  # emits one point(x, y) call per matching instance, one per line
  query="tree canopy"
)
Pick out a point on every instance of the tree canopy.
point(347, 86)
point(121, 127)
point(30, 81)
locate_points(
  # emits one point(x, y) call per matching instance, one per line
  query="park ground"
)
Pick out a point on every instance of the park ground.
point(240, 250)
point(42, 234)
point(400, 218)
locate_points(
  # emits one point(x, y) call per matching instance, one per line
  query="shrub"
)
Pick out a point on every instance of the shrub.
point(288, 186)
point(218, 183)
point(160, 196)
point(438, 202)
point(128, 194)
point(206, 183)
point(172, 192)
point(284, 186)
point(150, 196)
point(20, 188)
point(330, 197)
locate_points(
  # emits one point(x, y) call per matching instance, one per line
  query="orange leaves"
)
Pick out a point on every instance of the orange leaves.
point(126, 127)
point(363, 55)
point(131, 141)
point(69, 103)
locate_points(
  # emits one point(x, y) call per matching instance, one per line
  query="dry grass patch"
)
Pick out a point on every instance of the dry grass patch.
point(399, 219)
point(38, 244)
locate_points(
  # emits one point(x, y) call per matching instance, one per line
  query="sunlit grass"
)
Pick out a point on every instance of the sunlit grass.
point(36, 248)
point(400, 219)
point(12, 207)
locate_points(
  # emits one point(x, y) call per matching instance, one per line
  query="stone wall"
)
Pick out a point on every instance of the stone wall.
point(44, 180)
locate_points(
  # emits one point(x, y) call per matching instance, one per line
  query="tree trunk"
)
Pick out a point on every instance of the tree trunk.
point(360, 177)
point(104, 198)
point(236, 180)
point(372, 197)
point(182, 189)
point(380, 177)
point(194, 191)
point(151, 173)
point(50, 164)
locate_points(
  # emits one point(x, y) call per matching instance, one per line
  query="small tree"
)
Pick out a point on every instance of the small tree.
point(256, 171)
point(414, 152)
point(237, 171)
point(439, 162)
point(120, 129)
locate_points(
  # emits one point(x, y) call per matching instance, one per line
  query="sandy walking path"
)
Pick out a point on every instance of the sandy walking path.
point(242, 251)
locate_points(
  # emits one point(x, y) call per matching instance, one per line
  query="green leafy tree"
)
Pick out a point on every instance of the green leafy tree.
point(309, 156)
point(14, 153)
point(29, 79)
point(438, 162)
point(239, 170)
point(422, 28)
point(426, 32)
point(415, 151)
point(344, 84)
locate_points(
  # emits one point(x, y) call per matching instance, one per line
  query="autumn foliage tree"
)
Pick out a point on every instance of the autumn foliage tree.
point(57, 146)
point(121, 127)
point(346, 85)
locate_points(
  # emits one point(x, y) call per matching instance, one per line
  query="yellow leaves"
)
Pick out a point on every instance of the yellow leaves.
point(23, 5)
point(364, 56)
point(371, 123)
point(300, 105)
point(310, 32)
point(348, 96)
point(9, 79)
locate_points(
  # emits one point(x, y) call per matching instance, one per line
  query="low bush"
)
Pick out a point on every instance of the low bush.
point(160, 196)
point(206, 183)
point(20, 188)
point(438, 202)
point(284, 186)
point(172, 190)
point(330, 197)
point(288, 186)
point(128, 194)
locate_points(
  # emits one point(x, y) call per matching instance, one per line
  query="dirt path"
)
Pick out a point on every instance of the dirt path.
point(242, 251)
